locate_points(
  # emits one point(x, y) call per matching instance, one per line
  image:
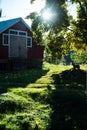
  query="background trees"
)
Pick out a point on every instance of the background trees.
point(80, 24)
point(61, 33)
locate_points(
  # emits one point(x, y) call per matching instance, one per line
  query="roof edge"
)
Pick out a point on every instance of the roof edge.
point(18, 19)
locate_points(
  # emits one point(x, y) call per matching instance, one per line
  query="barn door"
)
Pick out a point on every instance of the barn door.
point(18, 47)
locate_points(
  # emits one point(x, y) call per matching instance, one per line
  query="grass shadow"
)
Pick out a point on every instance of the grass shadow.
point(69, 110)
point(69, 101)
point(75, 79)
point(19, 78)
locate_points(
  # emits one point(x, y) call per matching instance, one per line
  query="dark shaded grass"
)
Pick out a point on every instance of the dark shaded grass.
point(20, 78)
point(69, 101)
point(69, 110)
point(75, 79)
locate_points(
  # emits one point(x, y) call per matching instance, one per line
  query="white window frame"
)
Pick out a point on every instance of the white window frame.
point(5, 44)
point(30, 42)
point(13, 31)
point(22, 33)
point(18, 32)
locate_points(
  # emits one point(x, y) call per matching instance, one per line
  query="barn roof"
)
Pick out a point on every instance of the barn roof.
point(8, 23)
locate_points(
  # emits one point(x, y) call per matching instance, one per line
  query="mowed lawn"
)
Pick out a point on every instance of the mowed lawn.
point(51, 98)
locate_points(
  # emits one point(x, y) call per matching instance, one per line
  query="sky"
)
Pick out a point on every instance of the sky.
point(14, 8)
point(21, 8)
point(72, 9)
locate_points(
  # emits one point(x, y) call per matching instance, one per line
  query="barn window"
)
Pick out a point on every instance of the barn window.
point(29, 42)
point(22, 33)
point(5, 39)
point(14, 32)
point(17, 32)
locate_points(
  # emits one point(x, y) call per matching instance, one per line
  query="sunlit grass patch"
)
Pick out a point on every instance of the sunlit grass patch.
point(32, 94)
point(22, 107)
point(26, 90)
point(9, 103)
point(45, 80)
point(27, 120)
point(55, 68)
point(84, 67)
point(36, 85)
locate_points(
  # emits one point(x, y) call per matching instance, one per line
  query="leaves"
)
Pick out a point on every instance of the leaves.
point(63, 32)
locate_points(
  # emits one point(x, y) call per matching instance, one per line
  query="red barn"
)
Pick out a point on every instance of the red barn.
point(18, 48)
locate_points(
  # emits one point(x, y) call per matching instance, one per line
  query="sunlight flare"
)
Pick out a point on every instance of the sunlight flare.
point(47, 15)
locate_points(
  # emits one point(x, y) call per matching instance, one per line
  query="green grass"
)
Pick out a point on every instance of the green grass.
point(23, 107)
point(32, 96)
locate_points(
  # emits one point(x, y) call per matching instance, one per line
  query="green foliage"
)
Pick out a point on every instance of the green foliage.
point(72, 31)
point(79, 58)
point(32, 1)
point(55, 25)
point(80, 24)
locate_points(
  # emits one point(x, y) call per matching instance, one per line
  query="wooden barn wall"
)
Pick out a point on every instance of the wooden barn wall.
point(36, 52)
point(0, 39)
point(3, 50)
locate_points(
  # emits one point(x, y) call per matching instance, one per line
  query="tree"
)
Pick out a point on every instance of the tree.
point(60, 33)
point(80, 24)
point(79, 58)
